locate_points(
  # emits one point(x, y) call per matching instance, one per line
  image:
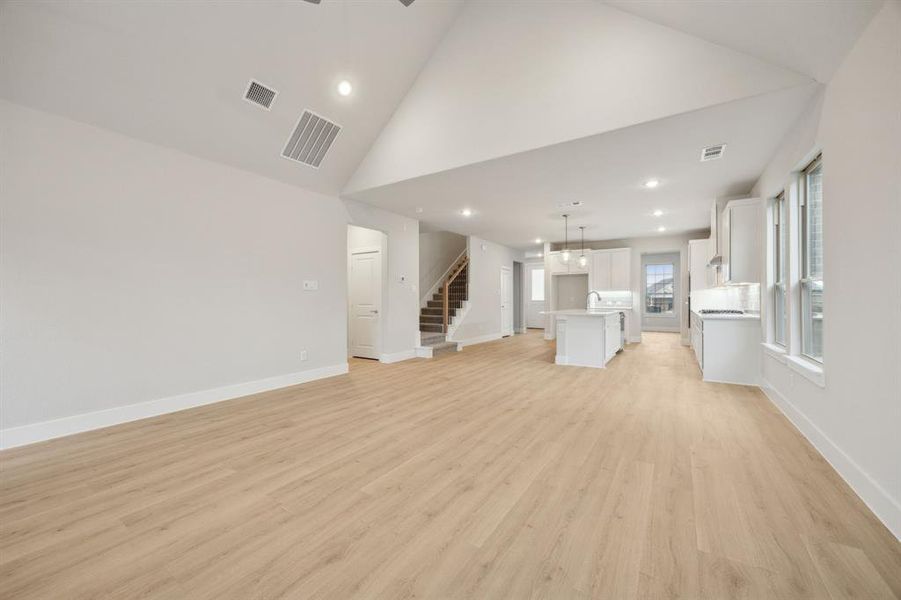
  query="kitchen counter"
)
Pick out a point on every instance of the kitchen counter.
point(581, 312)
point(586, 338)
point(727, 317)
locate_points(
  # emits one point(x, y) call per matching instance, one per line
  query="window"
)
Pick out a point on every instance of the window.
point(779, 269)
point(812, 261)
point(537, 285)
point(659, 297)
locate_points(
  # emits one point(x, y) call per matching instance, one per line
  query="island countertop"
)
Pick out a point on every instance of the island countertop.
point(581, 312)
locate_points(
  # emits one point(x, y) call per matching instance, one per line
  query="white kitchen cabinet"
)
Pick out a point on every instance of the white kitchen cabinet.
point(698, 271)
point(556, 266)
point(620, 264)
point(741, 241)
point(727, 348)
point(609, 270)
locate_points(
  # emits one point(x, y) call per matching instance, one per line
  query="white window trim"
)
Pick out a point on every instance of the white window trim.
point(807, 368)
point(775, 351)
point(803, 280)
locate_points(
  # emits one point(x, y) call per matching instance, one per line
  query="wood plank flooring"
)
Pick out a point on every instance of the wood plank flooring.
point(489, 473)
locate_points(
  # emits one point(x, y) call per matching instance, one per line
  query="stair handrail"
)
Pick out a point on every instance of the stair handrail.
point(439, 282)
point(446, 289)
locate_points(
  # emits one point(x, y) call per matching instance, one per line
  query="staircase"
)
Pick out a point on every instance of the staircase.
point(456, 286)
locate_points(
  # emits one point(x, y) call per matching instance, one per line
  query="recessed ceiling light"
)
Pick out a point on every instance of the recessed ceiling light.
point(658, 213)
point(345, 88)
point(661, 229)
point(651, 183)
point(537, 240)
point(466, 212)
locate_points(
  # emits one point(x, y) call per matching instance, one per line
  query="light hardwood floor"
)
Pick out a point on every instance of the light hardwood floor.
point(489, 473)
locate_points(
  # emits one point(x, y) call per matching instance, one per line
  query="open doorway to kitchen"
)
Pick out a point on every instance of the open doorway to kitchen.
point(660, 292)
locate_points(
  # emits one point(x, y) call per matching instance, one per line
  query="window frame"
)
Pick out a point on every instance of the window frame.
point(806, 282)
point(666, 314)
point(780, 265)
point(533, 279)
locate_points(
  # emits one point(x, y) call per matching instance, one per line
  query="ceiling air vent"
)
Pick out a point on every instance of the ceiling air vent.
point(712, 152)
point(311, 139)
point(260, 94)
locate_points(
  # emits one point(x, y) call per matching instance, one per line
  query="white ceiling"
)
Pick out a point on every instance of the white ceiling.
point(507, 106)
point(515, 76)
point(808, 36)
point(174, 73)
point(515, 198)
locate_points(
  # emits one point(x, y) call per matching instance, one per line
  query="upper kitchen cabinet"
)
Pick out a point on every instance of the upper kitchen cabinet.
point(700, 275)
point(740, 238)
point(556, 266)
point(608, 270)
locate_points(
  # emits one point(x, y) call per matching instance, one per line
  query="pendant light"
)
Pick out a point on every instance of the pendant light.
point(583, 260)
point(565, 255)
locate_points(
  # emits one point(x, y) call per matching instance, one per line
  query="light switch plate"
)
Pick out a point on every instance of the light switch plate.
point(310, 285)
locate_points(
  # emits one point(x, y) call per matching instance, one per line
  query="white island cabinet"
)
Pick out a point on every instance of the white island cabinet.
point(587, 338)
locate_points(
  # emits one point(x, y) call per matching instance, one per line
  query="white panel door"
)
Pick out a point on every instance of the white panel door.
point(506, 301)
point(366, 304)
point(620, 266)
point(535, 301)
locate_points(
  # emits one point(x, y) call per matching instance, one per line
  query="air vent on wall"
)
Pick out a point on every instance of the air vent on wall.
point(712, 152)
point(311, 139)
point(260, 94)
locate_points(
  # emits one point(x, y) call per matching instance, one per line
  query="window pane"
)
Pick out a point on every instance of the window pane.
point(814, 225)
point(537, 285)
point(812, 319)
point(812, 280)
point(779, 314)
point(659, 297)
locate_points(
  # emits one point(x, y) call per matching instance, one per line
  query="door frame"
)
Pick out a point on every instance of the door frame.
point(529, 269)
point(678, 317)
point(507, 271)
point(379, 335)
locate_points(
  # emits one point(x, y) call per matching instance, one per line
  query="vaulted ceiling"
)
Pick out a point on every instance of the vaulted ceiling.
point(174, 73)
point(507, 107)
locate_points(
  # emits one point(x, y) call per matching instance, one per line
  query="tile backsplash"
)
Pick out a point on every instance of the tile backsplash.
point(744, 297)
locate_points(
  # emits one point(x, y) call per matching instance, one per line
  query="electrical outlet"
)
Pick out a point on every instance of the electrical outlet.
point(303, 355)
point(310, 285)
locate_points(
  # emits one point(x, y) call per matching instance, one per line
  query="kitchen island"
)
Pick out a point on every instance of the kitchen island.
point(587, 338)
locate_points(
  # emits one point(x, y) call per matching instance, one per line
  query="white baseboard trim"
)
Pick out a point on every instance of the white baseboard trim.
point(46, 430)
point(397, 356)
point(886, 508)
point(478, 340)
point(636, 339)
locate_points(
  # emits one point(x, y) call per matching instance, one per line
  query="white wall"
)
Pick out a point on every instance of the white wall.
point(482, 321)
point(437, 250)
point(401, 323)
point(133, 273)
point(855, 419)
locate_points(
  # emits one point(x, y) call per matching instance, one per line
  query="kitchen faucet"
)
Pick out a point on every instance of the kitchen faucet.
point(588, 299)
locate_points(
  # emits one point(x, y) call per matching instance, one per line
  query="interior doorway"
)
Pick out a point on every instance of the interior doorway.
point(519, 324)
point(535, 298)
point(506, 301)
point(366, 266)
point(660, 292)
